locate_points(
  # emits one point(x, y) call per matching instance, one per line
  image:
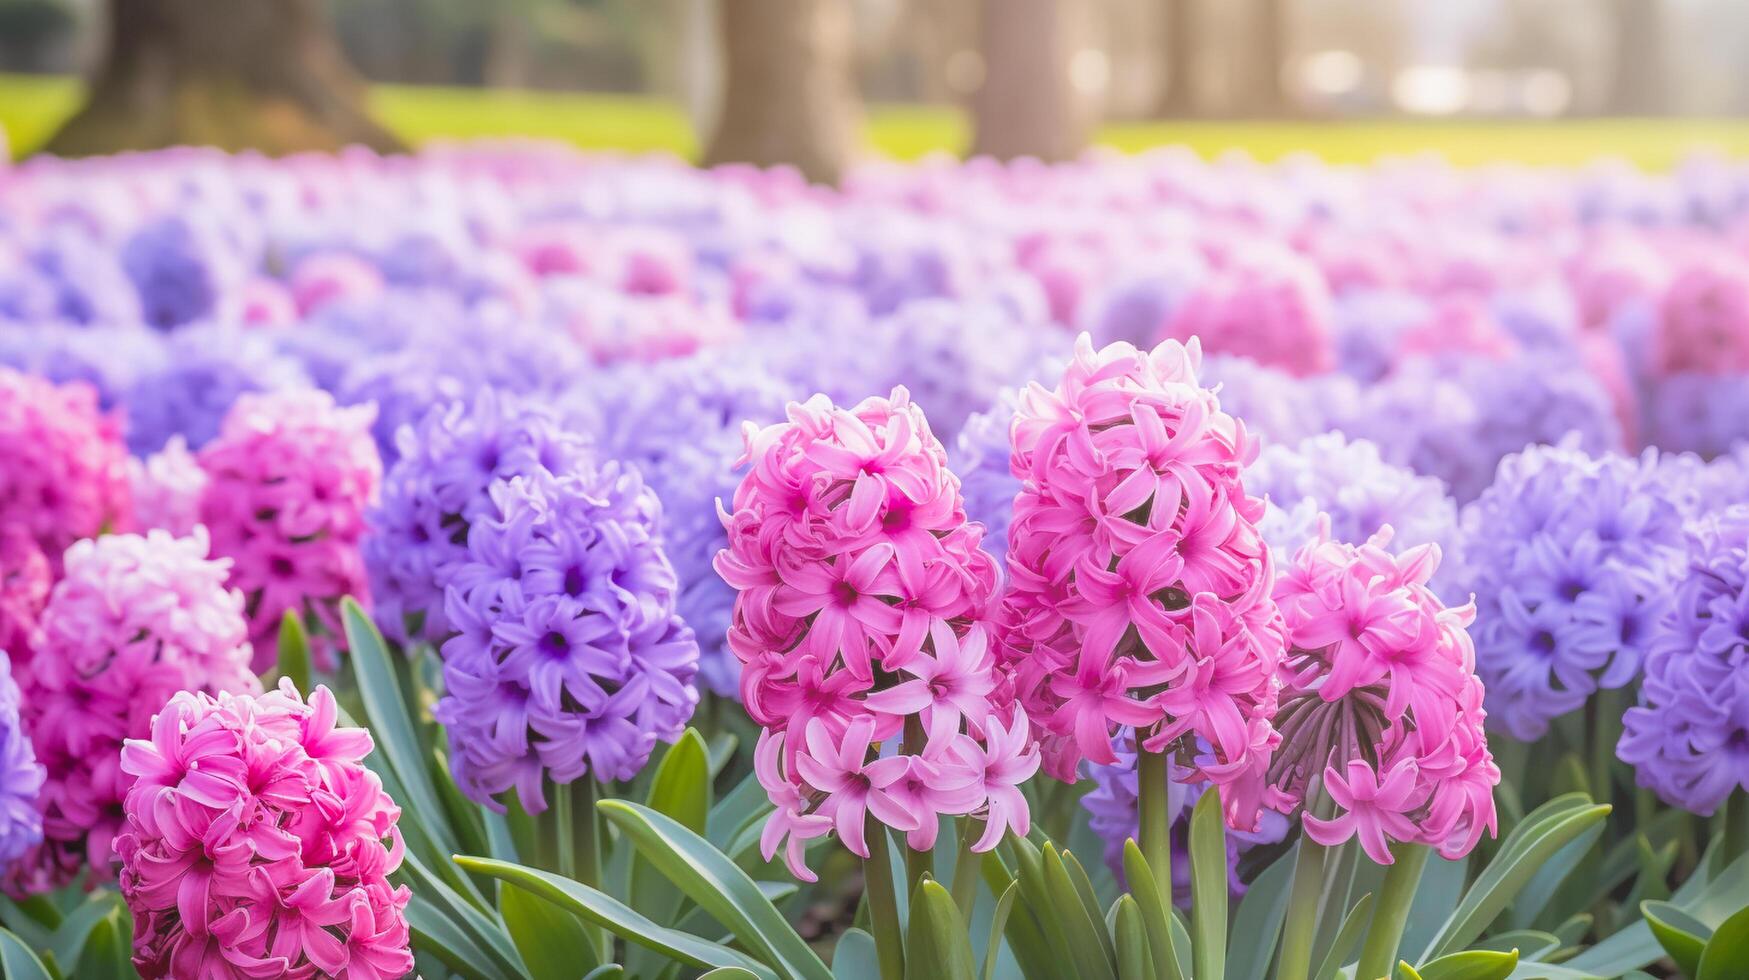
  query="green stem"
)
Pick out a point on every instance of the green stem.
point(917, 863)
point(1736, 826)
point(565, 832)
point(1301, 925)
point(1155, 835)
point(883, 903)
point(585, 841)
point(1605, 732)
point(965, 868)
point(1378, 957)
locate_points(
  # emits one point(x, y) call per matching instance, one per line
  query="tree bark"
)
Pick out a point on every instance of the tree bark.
point(790, 92)
point(1180, 97)
point(1640, 85)
point(236, 74)
point(1268, 97)
point(1028, 105)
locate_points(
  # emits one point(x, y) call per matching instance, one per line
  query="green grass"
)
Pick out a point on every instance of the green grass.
point(32, 106)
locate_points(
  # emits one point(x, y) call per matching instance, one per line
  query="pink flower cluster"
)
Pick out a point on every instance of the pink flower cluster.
point(255, 843)
point(134, 620)
point(167, 488)
point(860, 619)
point(289, 477)
point(1703, 318)
point(25, 578)
point(63, 465)
point(1381, 714)
point(1274, 307)
point(1139, 587)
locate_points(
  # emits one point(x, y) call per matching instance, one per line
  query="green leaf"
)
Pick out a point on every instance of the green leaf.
point(998, 922)
point(294, 655)
point(1089, 901)
point(1347, 938)
point(553, 942)
point(855, 957)
point(1473, 964)
point(603, 910)
point(1712, 893)
point(1259, 919)
point(439, 935)
point(1208, 889)
point(17, 962)
point(730, 973)
point(1726, 956)
point(746, 802)
point(719, 887)
point(1041, 909)
point(681, 788)
point(1534, 903)
point(1683, 936)
point(1088, 941)
point(108, 952)
point(1539, 836)
point(935, 939)
point(1532, 944)
point(67, 943)
point(1406, 972)
point(1438, 894)
point(485, 929)
point(612, 971)
point(1133, 959)
point(1157, 918)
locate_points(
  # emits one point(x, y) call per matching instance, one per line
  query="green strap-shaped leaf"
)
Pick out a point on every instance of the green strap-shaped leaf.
point(998, 922)
point(1259, 920)
point(553, 942)
point(1406, 972)
point(1542, 833)
point(1726, 956)
point(717, 885)
point(603, 910)
point(1088, 942)
point(936, 944)
point(855, 956)
point(438, 935)
point(67, 943)
point(681, 789)
point(1682, 935)
point(1347, 938)
point(1089, 901)
point(1133, 959)
point(1471, 964)
point(729, 973)
point(1029, 873)
point(1156, 916)
point(108, 951)
point(1532, 944)
point(746, 802)
point(1208, 889)
point(485, 929)
point(294, 654)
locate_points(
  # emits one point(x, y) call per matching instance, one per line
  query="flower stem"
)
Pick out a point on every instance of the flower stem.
point(883, 904)
point(1736, 826)
point(1378, 957)
point(565, 832)
point(917, 863)
point(586, 856)
point(1155, 837)
point(1605, 732)
point(965, 868)
point(1300, 926)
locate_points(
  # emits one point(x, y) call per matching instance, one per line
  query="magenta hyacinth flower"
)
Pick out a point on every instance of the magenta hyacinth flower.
point(167, 487)
point(63, 465)
point(257, 843)
point(1381, 714)
point(134, 620)
point(859, 619)
point(1274, 309)
point(25, 578)
point(1139, 586)
point(288, 480)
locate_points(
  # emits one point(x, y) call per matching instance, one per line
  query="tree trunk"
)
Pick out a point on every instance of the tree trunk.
point(1028, 105)
point(789, 87)
point(1267, 97)
point(236, 74)
point(1640, 83)
point(1180, 98)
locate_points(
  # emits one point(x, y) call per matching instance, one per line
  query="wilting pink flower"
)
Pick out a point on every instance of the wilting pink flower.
point(63, 465)
point(257, 844)
point(1138, 592)
point(288, 480)
point(1381, 714)
point(134, 620)
point(861, 595)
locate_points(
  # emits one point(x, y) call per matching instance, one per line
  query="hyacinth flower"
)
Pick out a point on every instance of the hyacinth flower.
point(1687, 734)
point(860, 626)
point(25, 579)
point(258, 844)
point(1570, 558)
point(63, 467)
point(134, 620)
point(289, 477)
point(1381, 722)
point(21, 776)
point(438, 486)
point(1139, 585)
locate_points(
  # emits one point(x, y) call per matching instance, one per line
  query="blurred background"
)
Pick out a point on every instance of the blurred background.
point(819, 81)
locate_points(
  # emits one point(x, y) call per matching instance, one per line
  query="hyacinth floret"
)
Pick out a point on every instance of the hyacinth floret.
point(258, 844)
point(21, 776)
point(568, 659)
point(1139, 585)
point(289, 477)
point(1688, 738)
point(134, 620)
point(63, 468)
point(860, 626)
point(1381, 711)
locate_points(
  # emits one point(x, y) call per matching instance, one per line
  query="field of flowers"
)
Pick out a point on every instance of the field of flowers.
point(506, 561)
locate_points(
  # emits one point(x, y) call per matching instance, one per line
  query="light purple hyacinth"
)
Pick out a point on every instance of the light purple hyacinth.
point(1702, 413)
point(980, 457)
point(21, 777)
point(200, 374)
point(440, 486)
point(1688, 738)
point(679, 423)
point(180, 267)
point(569, 661)
point(1571, 558)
